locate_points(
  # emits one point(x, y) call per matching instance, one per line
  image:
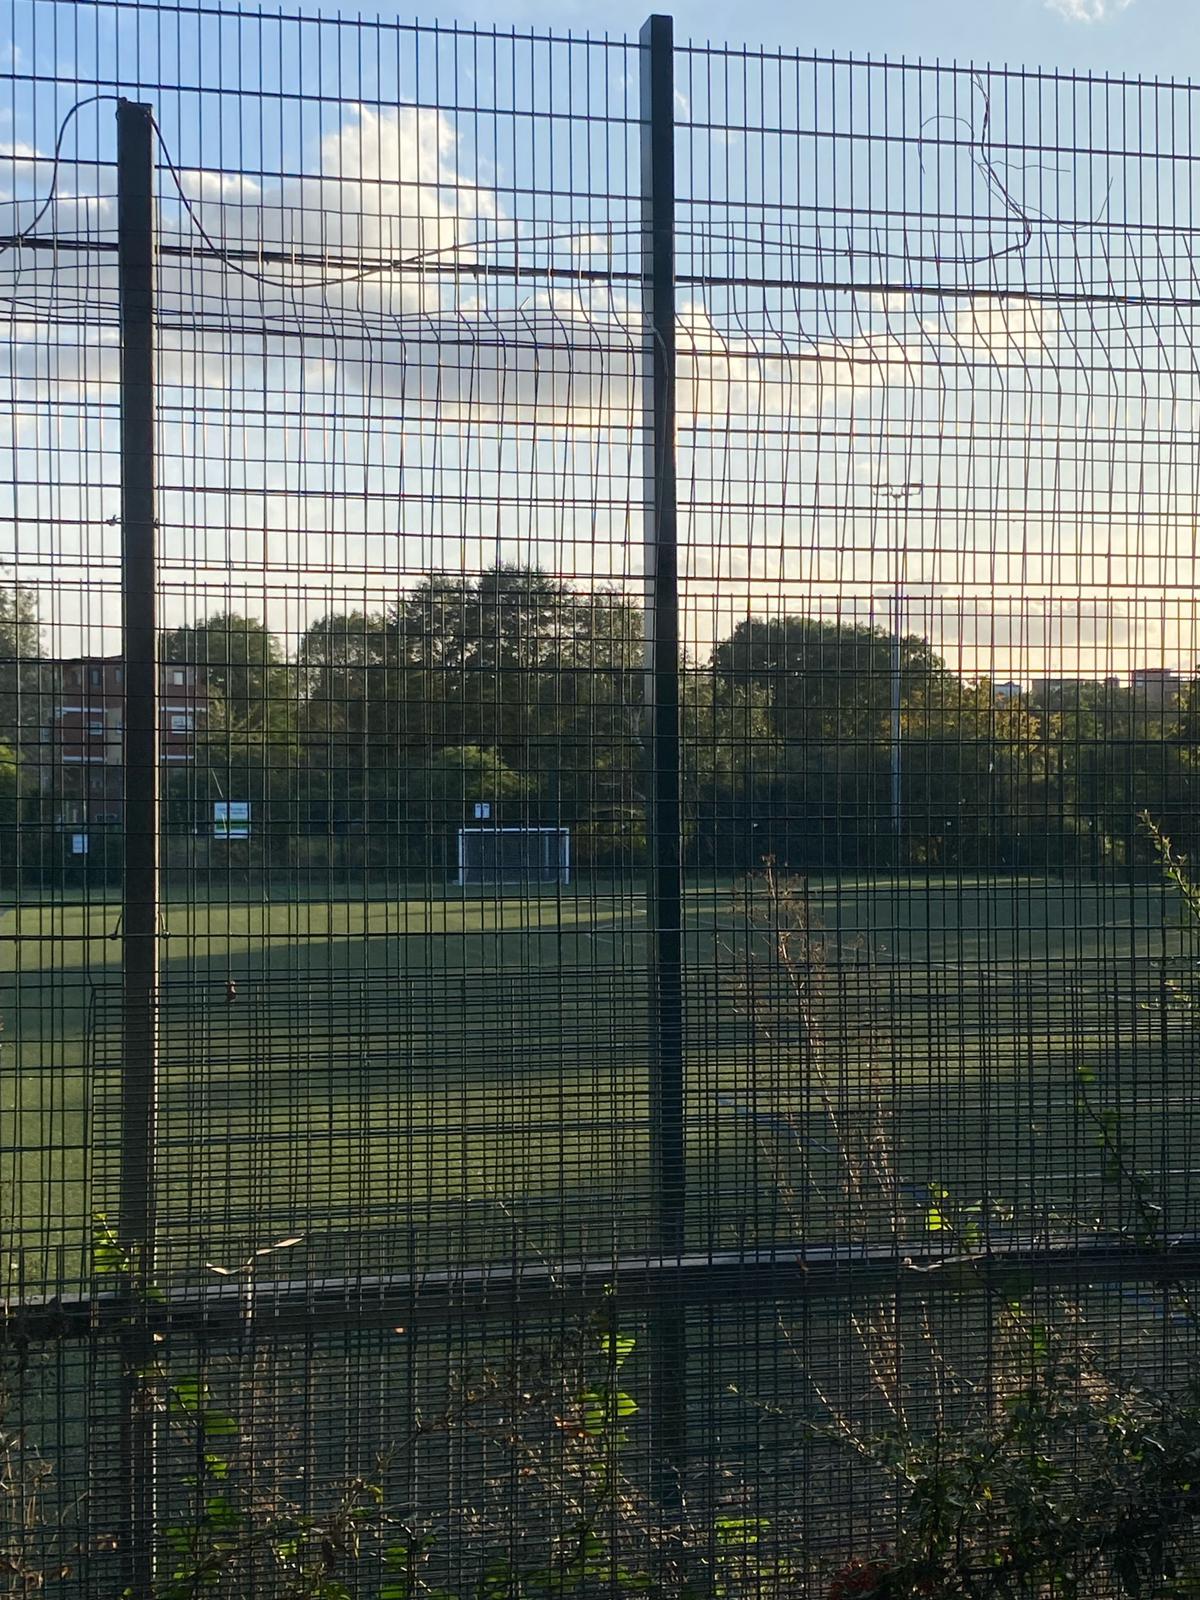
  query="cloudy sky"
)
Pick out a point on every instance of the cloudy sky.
point(937, 330)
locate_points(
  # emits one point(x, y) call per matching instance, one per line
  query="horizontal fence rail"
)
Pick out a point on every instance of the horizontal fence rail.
point(226, 1311)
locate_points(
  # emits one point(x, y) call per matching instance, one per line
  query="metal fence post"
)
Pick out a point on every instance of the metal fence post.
point(664, 831)
point(140, 897)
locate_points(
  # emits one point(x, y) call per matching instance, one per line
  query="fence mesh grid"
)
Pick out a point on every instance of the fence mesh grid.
point(416, 1316)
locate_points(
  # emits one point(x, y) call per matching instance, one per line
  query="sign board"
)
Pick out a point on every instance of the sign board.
point(483, 810)
point(79, 844)
point(231, 819)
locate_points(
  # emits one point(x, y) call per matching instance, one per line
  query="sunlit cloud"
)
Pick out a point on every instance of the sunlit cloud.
point(1087, 10)
point(1012, 324)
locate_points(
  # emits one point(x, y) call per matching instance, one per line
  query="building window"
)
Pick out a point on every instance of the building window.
point(95, 677)
point(178, 677)
point(95, 727)
point(181, 722)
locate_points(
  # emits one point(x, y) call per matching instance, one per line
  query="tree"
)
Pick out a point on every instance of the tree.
point(476, 653)
point(495, 654)
point(441, 796)
point(825, 680)
point(247, 749)
point(546, 675)
point(23, 678)
point(586, 728)
point(242, 667)
point(815, 753)
point(457, 777)
point(974, 779)
point(1110, 755)
point(729, 753)
point(10, 802)
point(343, 660)
point(348, 746)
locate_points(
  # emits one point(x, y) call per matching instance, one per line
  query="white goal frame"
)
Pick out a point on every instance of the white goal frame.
point(519, 874)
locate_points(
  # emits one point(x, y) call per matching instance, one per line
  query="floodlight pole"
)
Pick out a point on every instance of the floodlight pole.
point(899, 495)
point(664, 820)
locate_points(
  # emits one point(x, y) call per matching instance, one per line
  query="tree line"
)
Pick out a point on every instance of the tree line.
point(381, 730)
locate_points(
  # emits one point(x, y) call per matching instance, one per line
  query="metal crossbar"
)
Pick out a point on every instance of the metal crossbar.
point(228, 1310)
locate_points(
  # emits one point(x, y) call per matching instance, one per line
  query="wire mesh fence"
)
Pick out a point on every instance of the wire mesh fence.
point(597, 674)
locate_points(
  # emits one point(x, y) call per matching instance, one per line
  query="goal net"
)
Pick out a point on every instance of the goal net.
point(514, 855)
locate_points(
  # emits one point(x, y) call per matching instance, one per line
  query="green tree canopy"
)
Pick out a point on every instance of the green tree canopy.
point(520, 662)
point(249, 686)
point(447, 787)
point(825, 680)
point(23, 676)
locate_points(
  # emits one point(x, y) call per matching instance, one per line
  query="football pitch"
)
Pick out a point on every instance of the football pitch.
point(417, 1080)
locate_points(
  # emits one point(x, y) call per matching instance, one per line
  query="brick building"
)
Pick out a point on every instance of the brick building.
point(83, 743)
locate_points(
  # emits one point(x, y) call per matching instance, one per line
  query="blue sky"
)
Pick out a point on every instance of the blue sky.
point(1137, 36)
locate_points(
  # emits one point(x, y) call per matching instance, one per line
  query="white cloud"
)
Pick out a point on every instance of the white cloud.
point(729, 372)
point(408, 336)
point(1009, 326)
point(233, 188)
point(1087, 10)
point(590, 244)
point(390, 189)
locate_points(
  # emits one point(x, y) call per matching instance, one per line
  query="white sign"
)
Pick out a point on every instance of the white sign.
point(79, 844)
point(231, 819)
point(483, 810)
